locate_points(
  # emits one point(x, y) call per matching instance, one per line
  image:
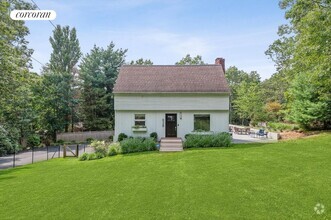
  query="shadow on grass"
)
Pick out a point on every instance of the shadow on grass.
point(139, 153)
point(232, 147)
point(9, 173)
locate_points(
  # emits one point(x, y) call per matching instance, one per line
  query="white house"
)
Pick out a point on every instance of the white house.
point(171, 100)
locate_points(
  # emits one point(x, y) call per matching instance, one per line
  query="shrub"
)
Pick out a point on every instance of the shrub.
point(122, 136)
point(5, 144)
point(137, 145)
point(99, 155)
point(33, 140)
point(208, 140)
point(60, 142)
point(92, 156)
point(154, 136)
point(99, 147)
point(186, 135)
point(114, 149)
point(274, 126)
point(89, 140)
point(8, 140)
point(83, 157)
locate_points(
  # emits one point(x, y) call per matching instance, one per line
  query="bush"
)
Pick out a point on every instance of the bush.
point(274, 126)
point(137, 145)
point(99, 155)
point(208, 140)
point(121, 137)
point(99, 147)
point(154, 136)
point(8, 141)
point(92, 156)
point(186, 135)
point(33, 140)
point(114, 149)
point(89, 140)
point(83, 157)
point(60, 142)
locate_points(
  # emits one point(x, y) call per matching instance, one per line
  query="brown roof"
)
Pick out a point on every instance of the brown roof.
point(171, 79)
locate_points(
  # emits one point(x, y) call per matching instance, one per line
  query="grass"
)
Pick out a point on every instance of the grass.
point(254, 181)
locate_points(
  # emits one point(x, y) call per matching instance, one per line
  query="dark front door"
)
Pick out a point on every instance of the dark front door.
point(171, 125)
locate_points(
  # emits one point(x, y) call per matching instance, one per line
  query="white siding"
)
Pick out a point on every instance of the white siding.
point(155, 122)
point(171, 102)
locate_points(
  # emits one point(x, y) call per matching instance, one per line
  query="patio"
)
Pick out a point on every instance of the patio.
point(246, 138)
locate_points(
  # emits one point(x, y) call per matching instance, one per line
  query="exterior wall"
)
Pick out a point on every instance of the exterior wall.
point(155, 106)
point(174, 102)
point(155, 122)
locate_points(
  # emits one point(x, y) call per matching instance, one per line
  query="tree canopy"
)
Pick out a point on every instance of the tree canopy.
point(188, 60)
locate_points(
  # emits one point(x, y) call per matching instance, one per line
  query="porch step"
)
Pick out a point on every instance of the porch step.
point(171, 144)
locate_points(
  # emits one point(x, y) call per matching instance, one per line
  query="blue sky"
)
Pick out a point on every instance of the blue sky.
point(166, 30)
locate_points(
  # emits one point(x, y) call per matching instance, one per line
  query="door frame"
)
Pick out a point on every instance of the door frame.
point(166, 124)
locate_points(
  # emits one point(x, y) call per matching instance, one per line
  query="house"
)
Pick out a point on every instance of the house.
point(171, 100)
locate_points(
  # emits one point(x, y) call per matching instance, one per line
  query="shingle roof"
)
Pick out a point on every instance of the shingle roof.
point(171, 79)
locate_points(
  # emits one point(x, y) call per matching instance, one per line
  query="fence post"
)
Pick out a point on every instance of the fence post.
point(14, 156)
point(32, 154)
point(58, 152)
point(64, 151)
point(84, 147)
point(77, 150)
point(47, 151)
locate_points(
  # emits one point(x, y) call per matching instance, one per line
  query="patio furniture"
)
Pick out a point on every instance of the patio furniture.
point(261, 133)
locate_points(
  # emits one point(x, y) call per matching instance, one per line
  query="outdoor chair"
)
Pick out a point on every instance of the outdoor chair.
point(261, 133)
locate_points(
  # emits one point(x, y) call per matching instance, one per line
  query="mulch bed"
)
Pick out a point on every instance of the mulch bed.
point(292, 135)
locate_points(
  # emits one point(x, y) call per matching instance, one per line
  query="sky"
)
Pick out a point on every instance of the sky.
point(166, 30)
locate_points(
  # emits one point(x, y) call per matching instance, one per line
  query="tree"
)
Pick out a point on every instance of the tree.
point(14, 53)
point(303, 55)
point(273, 110)
point(66, 50)
point(17, 112)
point(98, 73)
point(235, 78)
point(141, 61)
point(275, 87)
point(248, 103)
point(307, 107)
point(59, 80)
point(188, 60)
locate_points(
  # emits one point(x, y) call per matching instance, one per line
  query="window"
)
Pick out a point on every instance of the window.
point(201, 122)
point(139, 120)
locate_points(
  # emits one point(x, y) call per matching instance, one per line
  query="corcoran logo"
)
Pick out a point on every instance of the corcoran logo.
point(33, 15)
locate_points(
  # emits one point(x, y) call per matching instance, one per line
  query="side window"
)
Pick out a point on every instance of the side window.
point(139, 120)
point(202, 122)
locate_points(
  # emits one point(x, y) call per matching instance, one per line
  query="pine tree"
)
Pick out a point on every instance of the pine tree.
point(98, 73)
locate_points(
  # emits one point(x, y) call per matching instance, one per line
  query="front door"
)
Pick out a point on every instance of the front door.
point(171, 125)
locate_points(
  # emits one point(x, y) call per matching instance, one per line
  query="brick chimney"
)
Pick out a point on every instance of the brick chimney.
point(220, 61)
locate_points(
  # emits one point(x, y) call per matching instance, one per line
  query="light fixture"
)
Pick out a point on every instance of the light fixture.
point(180, 115)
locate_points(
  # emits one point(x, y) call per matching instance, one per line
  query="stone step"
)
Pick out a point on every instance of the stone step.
point(174, 140)
point(171, 145)
point(171, 149)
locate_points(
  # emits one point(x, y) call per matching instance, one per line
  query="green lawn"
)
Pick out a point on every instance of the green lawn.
point(253, 181)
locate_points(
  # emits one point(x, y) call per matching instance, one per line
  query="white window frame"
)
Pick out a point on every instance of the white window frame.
point(140, 120)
